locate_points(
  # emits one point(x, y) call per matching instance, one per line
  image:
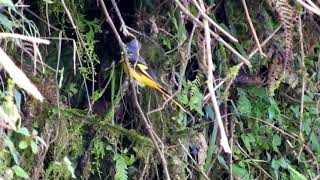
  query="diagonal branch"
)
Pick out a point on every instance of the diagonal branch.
point(203, 14)
point(254, 33)
point(311, 8)
point(123, 27)
point(215, 35)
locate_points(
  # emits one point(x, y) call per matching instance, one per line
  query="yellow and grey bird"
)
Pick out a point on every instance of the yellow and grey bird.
point(141, 73)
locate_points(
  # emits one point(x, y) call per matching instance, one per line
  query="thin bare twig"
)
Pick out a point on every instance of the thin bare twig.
point(253, 161)
point(224, 140)
point(185, 61)
point(46, 22)
point(86, 52)
point(303, 76)
point(123, 27)
point(145, 168)
point(68, 14)
point(312, 4)
point(303, 84)
point(216, 36)
point(232, 125)
point(57, 74)
point(143, 117)
point(265, 42)
point(214, 23)
point(252, 27)
point(23, 37)
point(48, 19)
point(309, 7)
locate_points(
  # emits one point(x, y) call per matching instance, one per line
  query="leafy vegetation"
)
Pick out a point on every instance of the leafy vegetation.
point(68, 111)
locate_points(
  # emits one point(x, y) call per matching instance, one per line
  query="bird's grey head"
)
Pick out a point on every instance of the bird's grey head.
point(134, 46)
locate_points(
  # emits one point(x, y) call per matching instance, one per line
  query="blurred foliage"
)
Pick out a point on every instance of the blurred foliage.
point(93, 130)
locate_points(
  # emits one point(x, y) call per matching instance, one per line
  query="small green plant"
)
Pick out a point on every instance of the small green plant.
point(122, 162)
point(30, 140)
point(63, 169)
point(191, 96)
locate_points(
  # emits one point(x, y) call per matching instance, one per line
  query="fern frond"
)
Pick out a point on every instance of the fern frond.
point(287, 15)
point(121, 167)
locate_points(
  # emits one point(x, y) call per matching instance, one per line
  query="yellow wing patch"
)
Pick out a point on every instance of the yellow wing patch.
point(144, 78)
point(144, 69)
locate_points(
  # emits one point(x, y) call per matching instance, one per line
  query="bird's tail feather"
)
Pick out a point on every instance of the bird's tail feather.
point(165, 92)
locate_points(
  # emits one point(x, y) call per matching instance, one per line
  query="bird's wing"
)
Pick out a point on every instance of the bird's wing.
point(146, 71)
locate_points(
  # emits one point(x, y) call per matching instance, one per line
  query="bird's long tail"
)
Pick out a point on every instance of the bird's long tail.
point(165, 92)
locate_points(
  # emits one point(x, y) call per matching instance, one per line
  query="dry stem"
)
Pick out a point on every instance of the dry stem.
point(224, 140)
point(252, 27)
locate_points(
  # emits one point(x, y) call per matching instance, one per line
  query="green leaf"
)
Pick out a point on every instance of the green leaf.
point(209, 111)
point(295, 175)
point(14, 153)
point(20, 172)
point(308, 99)
point(23, 144)
point(121, 167)
point(167, 43)
point(183, 98)
point(131, 160)
point(234, 71)
point(258, 92)
point(295, 110)
point(315, 142)
point(239, 171)
point(34, 147)
point(275, 164)
point(276, 141)
point(248, 140)
point(222, 162)
point(195, 103)
point(24, 131)
point(97, 95)
point(210, 2)
point(283, 163)
point(243, 104)
point(273, 111)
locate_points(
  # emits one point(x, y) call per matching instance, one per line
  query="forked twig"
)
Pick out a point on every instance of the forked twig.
point(214, 23)
point(264, 42)
point(215, 35)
